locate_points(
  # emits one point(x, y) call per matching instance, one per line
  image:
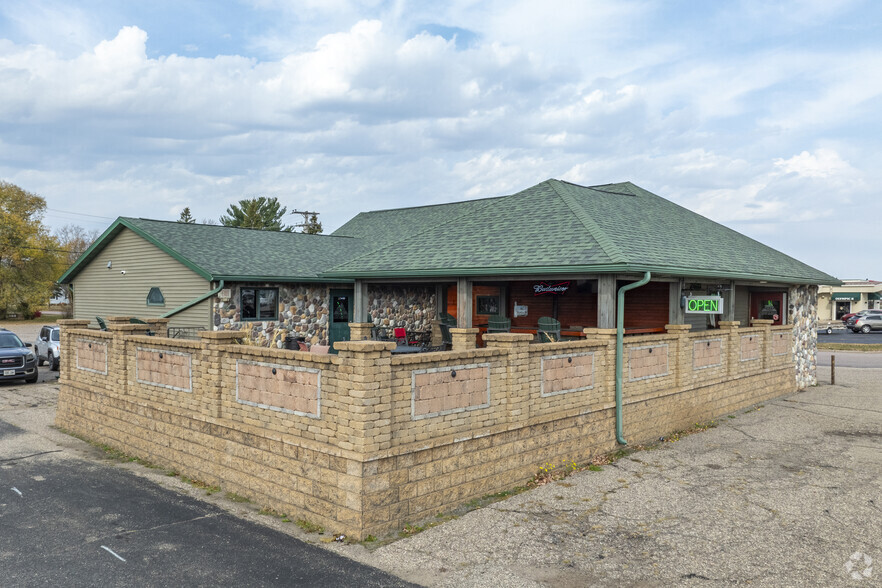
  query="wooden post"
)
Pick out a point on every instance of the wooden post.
point(606, 302)
point(832, 370)
point(464, 303)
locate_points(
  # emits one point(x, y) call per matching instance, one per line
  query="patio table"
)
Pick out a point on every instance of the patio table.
point(407, 349)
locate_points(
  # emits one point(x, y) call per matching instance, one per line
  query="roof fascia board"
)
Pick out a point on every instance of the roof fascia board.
point(93, 250)
point(595, 269)
point(168, 250)
point(285, 279)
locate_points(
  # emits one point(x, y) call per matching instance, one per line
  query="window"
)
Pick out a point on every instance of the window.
point(259, 304)
point(487, 305)
point(155, 297)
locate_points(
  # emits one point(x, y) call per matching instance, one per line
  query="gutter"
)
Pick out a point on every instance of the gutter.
point(195, 301)
point(620, 335)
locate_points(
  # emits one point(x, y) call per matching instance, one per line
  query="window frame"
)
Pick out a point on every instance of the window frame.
point(161, 295)
point(257, 315)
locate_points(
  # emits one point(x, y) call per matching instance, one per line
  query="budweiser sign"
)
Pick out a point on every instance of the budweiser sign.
point(546, 288)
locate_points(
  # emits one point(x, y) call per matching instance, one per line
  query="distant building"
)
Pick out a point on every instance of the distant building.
point(851, 296)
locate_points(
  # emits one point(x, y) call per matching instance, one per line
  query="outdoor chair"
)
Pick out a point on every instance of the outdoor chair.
point(448, 319)
point(135, 321)
point(101, 324)
point(446, 337)
point(549, 330)
point(399, 335)
point(498, 324)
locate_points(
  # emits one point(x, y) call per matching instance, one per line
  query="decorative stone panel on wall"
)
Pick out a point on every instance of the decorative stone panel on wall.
point(303, 312)
point(410, 307)
point(750, 347)
point(92, 356)
point(648, 362)
point(439, 391)
point(781, 343)
point(804, 317)
point(567, 373)
point(291, 389)
point(707, 353)
point(166, 369)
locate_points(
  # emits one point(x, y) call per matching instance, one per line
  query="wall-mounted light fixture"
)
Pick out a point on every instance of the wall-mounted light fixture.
point(109, 265)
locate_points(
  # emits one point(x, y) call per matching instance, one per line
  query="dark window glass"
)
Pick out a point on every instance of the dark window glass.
point(341, 309)
point(259, 304)
point(56, 335)
point(155, 297)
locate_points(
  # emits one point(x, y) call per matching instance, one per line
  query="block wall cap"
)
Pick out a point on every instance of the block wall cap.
point(508, 336)
point(364, 346)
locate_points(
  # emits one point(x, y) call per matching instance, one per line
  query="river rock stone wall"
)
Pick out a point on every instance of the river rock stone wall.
point(303, 312)
point(803, 301)
point(401, 306)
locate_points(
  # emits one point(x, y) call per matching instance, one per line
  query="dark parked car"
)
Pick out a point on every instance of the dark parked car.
point(865, 324)
point(17, 361)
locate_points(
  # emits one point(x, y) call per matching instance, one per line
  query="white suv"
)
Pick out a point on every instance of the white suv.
point(48, 346)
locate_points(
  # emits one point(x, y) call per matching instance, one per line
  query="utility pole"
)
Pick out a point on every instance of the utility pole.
point(310, 222)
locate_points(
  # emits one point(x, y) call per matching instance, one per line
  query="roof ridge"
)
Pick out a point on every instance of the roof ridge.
point(603, 240)
point(484, 203)
point(215, 226)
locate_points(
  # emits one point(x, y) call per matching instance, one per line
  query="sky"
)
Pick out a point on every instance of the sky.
point(762, 116)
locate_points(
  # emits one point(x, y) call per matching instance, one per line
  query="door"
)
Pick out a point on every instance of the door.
point(767, 305)
point(341, 316)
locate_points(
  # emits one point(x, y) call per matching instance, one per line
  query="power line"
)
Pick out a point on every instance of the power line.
point(79, 213)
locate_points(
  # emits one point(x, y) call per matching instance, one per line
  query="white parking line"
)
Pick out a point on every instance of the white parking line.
point(110, 551)
point(17, 491)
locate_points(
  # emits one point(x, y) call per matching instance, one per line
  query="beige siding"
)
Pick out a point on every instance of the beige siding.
point(103, 292)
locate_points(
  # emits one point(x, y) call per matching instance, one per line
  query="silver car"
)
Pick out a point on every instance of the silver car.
point(48, 347)
point(868, 322)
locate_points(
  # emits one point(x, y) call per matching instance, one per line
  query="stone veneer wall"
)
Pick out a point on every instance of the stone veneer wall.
point(804, 318)
point(365, 442)
point(395, 306)
point(303, 312)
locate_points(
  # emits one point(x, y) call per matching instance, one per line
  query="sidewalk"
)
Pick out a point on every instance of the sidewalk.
point(789, 494)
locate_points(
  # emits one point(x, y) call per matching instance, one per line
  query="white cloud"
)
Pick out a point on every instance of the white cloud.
point(753, 114)
point(823, 163)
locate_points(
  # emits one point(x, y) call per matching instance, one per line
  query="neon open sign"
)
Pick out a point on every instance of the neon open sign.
point(704, 305)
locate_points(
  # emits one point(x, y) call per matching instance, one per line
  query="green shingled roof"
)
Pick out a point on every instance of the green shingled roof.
point(217, 252)
point(553, 227)
point(561, 227)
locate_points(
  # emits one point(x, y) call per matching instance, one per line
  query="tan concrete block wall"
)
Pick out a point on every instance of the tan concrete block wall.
point(751, 347)
point(782, 342)
point(648, 362)
point(707, 353)
point(279, 387)
point(365, 461)
point(163, 367)
point(437, 391)
point(91, 356)
point(567, 373)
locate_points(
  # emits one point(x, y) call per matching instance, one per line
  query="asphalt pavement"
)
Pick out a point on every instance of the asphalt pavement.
point(69, 517)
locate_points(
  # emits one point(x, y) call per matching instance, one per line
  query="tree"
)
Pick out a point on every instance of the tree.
point(186, 217)
point(260, 213)
point(73, 240)
point(30, 258)
point(313, 227)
